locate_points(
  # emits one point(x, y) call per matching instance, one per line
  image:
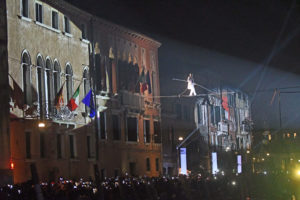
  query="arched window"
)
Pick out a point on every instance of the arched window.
point(41, 84)
point(26, 78)
point(49, 85)
point(56, 77)
point(69, 81)
point(86, 85)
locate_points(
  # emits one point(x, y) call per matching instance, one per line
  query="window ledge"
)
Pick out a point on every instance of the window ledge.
point(68, 34)
point(47, 27)
point(91, 159)
point(74, 159)
point(84, 41)
point(132, 142)
point(25, 18)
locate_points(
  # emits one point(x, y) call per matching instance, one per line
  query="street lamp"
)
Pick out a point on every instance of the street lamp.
point(180, 138)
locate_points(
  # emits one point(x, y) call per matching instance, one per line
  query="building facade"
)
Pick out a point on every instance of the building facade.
point(224, 119)
point(54, 48)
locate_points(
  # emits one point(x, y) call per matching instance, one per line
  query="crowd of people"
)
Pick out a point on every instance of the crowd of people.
point(128, 188)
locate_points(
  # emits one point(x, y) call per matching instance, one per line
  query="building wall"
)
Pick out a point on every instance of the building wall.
point(113, 45)
point(5, 173)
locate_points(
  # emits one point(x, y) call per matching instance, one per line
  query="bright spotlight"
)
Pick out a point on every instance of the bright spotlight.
point(41, 125)
point(180, 138)
point(233, 183)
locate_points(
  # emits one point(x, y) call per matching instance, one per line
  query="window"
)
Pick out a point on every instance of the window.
point(186, 113)
point(67, 25)
point(148, 164)
point(26, 78)
point(217, 114)
point(54, 19)
point(56, 77)
point(72, 146)
point(83, 31)
point(178, 111)
point(40, 82)
point(199, 113)
point(116, 127)
point(69, 81)
point(146, 131)
point(42, 145)
point(24, 8)
point(102, 123)
point(39, 12)
point(132, 129)
point(157, 135)
point(157, 164)
point(28, 145)
point(59, 146)
point(49, 86)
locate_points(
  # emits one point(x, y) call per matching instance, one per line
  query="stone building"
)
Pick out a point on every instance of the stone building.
point(52, 45)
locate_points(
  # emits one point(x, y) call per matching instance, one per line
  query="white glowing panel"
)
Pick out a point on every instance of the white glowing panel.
point(183, 161)
point(214, 162)
point(239, 164)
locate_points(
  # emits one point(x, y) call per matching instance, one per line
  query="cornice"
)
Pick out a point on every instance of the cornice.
point(65, 6)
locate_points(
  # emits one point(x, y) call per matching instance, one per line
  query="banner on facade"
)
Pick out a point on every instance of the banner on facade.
point(239, 164)
point(214, 162)
point(183, 161)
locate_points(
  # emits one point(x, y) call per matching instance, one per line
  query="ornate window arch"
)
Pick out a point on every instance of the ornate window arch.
point(26, 73)
point(40, 65)
point(69, 81)
point(49, 84)
point(56, 77)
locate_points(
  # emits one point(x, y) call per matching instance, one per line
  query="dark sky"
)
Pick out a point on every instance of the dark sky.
point(242, 28)
point(221, 39)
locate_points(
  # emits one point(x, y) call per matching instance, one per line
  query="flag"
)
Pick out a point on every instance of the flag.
point(17, 95)
point(74, 101)
point(88, 101)
point(59, 99)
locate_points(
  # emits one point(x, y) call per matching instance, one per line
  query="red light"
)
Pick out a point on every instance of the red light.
point(12, 165)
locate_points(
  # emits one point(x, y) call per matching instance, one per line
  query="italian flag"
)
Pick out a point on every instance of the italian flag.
point(74, 101)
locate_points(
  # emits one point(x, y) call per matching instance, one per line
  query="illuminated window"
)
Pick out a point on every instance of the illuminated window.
point(288, 135)
point(295, 135)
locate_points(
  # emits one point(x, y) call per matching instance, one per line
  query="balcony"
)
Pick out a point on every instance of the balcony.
point(245, 129)
point(222, 128)
point(132, 100)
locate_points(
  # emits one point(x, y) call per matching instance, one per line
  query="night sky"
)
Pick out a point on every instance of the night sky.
point(228, 40)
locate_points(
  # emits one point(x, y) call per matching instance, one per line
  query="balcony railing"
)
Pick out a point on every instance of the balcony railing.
point(132, 100)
